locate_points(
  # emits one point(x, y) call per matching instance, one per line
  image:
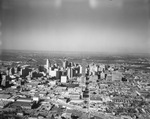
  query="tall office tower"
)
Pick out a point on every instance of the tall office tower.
point(47, 65)
point(75, 72)
point(84, 63)
point(87, 71)
point(80, 69)
point(65, 64)
point(12, 70)
point(70, 64)
point(10, 73)
point(92, 69)
point(58, 74)
point(70, 73)
point(86, 92)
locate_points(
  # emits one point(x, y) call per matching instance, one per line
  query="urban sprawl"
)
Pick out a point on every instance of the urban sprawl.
point(73, 91)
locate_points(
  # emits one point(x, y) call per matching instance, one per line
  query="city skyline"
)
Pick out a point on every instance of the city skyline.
point(112, 26)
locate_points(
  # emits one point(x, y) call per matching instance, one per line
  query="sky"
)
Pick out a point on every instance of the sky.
point(113, 26)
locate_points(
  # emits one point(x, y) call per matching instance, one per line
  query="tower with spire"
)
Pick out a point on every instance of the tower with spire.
point(47, 65)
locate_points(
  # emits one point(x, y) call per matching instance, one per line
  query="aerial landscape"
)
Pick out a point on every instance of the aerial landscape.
point(75, 59)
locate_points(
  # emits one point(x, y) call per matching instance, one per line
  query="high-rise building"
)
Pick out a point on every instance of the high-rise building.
point(93, 69)
point(74, 72)
point(65, 64)
point(63, 79)
point(69, 72)
point(47, 65)
point(80, 69)
point(84, 63)
point(25, 72)
point(58, 74)
point(52, 73)
point(11, 71)
point(87, 71)
point(70, 64)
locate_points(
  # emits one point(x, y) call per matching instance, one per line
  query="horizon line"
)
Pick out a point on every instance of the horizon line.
point(80, 52)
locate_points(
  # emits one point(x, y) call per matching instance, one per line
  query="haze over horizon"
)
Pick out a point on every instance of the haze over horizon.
point(112, 26)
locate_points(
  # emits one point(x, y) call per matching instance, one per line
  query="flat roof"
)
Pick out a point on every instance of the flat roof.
point(21, 103)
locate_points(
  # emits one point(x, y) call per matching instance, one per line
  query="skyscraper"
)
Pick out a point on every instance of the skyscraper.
point(70, 64)
point(84, 63)
point(69, 72)
point(58, 74)
point(80, 69)
point(47, 65)
point(65, 64)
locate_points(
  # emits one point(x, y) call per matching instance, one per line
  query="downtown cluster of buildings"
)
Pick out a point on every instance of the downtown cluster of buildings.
point(92, 90)
point(68, 71)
